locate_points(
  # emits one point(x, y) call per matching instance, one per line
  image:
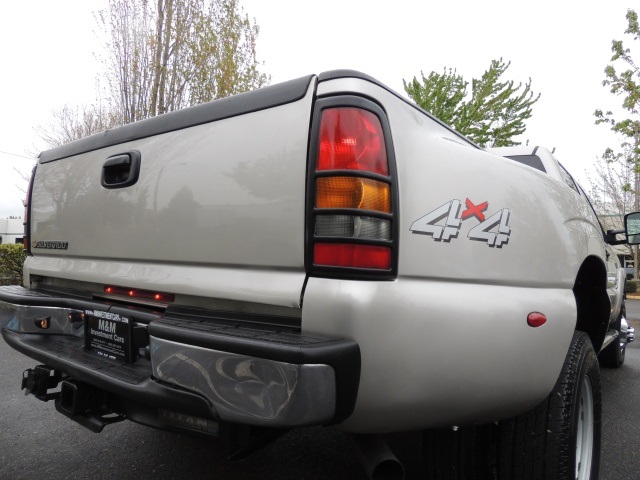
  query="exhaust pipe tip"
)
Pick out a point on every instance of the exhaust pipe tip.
point(376, 458)
point(387, 470)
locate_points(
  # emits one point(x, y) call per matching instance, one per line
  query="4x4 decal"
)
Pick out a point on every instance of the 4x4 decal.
point(444, 223)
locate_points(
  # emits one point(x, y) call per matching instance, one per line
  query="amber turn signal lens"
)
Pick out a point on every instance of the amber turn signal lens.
point(42, 323)
point(353, 192)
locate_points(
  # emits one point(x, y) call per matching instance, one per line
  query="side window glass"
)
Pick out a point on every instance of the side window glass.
point(567, 178)
point(593, 210)
point(530, 160)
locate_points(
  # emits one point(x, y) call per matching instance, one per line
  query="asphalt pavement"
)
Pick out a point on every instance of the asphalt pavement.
point(621, 411)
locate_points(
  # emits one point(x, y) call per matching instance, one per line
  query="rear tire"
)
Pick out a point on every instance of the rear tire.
point(560, 438)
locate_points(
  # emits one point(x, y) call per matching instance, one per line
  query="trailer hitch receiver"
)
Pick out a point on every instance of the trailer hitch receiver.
point(38, 380)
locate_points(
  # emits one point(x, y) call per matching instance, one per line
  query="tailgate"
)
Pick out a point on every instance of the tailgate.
point(218, 208)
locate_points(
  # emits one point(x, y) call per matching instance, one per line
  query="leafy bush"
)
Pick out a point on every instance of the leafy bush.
point(11, 260)
point(631, 286)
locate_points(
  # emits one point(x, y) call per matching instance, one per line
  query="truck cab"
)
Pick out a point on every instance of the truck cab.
point(541, 159)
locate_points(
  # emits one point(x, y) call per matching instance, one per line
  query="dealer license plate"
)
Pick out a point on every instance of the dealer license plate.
point(108, 335)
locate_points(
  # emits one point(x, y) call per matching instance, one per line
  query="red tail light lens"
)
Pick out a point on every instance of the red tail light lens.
point(352, 255)
point(352, 139)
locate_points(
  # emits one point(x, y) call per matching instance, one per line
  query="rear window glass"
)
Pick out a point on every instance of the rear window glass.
point(530, 160)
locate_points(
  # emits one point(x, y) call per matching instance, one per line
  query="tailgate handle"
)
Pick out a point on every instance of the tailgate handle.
point(121, 170)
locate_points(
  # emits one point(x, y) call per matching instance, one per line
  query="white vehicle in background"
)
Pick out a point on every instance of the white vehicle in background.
point(303, 255)
point(11, 230)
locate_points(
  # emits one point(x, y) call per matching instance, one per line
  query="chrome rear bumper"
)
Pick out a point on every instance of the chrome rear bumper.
point(244, 374)
point(246, 389)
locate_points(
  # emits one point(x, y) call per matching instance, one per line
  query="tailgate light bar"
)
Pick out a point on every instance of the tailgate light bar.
point(137, 293)
point(351, 191)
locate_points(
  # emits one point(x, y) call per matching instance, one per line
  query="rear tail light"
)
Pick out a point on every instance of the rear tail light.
point(352, 198)
point(26, 240)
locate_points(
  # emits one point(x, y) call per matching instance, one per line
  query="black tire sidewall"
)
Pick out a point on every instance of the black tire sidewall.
point(567, 394)
point(541, 444)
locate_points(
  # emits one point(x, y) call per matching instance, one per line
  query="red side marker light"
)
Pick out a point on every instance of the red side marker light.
point(536, 319)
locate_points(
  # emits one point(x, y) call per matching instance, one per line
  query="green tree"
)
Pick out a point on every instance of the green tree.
point(625, 83)
point(169, 54)
point(161, 56)
point(440, 94)
point(492, 114)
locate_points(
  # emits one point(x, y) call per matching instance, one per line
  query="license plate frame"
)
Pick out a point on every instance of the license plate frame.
point(109, 335)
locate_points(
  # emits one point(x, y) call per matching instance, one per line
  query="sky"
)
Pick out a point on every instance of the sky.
point(563, 46)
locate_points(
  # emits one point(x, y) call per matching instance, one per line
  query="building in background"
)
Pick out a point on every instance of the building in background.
point(11, 230)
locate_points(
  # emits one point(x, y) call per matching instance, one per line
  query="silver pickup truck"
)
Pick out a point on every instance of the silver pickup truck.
point(319, 252)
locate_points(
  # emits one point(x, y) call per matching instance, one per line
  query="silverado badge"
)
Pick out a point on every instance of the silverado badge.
point(50, 244)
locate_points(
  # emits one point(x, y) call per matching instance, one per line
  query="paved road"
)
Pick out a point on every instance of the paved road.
point(633, 310)
point(38, 443)
point(621, 411)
